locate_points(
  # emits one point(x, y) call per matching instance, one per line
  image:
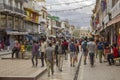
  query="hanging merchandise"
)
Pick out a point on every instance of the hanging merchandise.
point(103, 5)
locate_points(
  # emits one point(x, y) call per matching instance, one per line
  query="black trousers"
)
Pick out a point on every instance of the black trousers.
point(56, 59)
point(91, 58)
point(16, 52)
point(36, 60)
point(42, 58)
point(110, 59)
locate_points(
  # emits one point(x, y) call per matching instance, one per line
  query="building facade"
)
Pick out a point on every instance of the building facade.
point(108, 20)
point(12, 19)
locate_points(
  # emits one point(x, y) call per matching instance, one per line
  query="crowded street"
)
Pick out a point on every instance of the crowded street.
point(59, 39)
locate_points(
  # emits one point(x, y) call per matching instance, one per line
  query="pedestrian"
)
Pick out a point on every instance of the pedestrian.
point(35, 51)
point(109, 52)
point(91, 46)
point(115, 51)
point(106, 43)
point(60, 56)
point(16, 49)
point(7, 44)
point(84, 49)
point(43, 47)
point(49, 58)
point(77, 51)
point(72, 54)
point(100, 50)
point(65, 45)
point(22, 49)
point(56, 52)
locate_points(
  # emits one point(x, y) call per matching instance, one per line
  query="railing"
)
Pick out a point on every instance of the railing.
point(8, 7)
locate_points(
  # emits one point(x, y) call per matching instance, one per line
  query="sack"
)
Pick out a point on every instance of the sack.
point(84, 46)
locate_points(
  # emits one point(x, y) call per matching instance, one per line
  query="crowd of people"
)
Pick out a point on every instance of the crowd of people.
point(53, 52)
point(100, 49)
point(49, 51)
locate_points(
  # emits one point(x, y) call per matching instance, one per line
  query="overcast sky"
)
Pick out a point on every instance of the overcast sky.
point(79, 18)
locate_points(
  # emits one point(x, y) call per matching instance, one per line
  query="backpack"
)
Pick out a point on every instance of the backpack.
point(72, 47)
point(100, 46)
point(84, 46)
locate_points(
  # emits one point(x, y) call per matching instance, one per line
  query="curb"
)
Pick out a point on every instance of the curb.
point(35, 77)
point(78, 68)
point(4, 54)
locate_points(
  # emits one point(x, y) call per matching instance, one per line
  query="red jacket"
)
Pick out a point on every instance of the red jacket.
point(115, 52)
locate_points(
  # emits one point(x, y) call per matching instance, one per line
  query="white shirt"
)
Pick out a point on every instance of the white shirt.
point(43, 46)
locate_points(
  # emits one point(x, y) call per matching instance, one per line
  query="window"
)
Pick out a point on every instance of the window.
point(16, 4)
point(3, 21)
point(10, 22)
point(21, 7)
point(10, 2)
point(17, 23)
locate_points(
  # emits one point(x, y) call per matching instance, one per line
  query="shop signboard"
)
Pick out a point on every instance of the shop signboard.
point(106, 19)
point(116, 9)
point(118, 39)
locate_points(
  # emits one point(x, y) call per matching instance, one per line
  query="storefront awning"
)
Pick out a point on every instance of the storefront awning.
point(16, 33)
point(113, 21)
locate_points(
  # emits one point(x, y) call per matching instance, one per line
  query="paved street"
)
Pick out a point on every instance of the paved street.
point(68, 72)
point(5, 52)
point(18, 68)
point(99, 72)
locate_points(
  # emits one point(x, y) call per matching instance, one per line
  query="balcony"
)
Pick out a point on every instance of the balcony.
point(10, 9)
point(4, 7)
point(19, 11)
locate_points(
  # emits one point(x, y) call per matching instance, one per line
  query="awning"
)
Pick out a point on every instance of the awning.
point(113, 21)
point(51, 36)
point(16, 33)
point(29, 37)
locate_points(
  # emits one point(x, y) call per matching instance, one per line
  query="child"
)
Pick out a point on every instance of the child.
point(22, 49)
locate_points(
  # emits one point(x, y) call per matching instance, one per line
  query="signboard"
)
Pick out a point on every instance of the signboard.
point(118, 40)
point(116, 9)
point(53, 17)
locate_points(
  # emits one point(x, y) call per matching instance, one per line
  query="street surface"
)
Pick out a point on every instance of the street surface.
point(101, 71)
point(68, 72)
point(24, 68)
point(18, 67)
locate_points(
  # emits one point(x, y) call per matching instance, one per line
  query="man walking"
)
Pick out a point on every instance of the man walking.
point(35, 50)
point(91, 50)
point(43, 47)
point(49, 57)
point(60, 55)
point(100, 50)
point(72, 54)
point(84, 49)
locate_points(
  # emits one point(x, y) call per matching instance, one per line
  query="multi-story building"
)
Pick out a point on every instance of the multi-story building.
point(32, 19)
point(11, 19)
point(109, 19)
